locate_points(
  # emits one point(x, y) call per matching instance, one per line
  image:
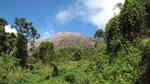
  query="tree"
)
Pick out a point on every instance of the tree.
point(26, 29)
point(46, 51)
point(76, 54)
point(26, 34)
point(70, 77)
point(55, 71)
point(147, 17)
point(132, 20)
point(21, 49)
point(113, 35)
point(99, 34)
point(7, 40)
point(10, 42)
point(3, 23)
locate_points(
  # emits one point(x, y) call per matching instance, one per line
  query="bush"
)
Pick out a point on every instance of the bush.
point(21, 49)
point(145, 51)
point(61, 55)
point(7, 65)
point(76, 55)
point(113, 35)
point(55, 71)
point(70, 78)
point(131, 20)
point(46, 52)
point(99, 34)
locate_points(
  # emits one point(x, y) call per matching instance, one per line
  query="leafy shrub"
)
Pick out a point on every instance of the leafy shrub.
point(46, 52)
point(99, 34)
point(21, 81)
point(7, 65)
point(99, 45)
point(21, 49)
point(61, 56)
point(55, 71)
point(70, 77)
point(131, 20)
point(76, 55)
point(113, 35)
point(145, 51)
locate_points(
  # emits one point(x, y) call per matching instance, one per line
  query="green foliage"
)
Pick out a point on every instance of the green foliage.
point(26, 29)
point(55, 71)
point(10, 42)
point(113, 35)
point(3, 23)
point(7, 66)
point(76, 54)
point(128, 26)
point(61, 56)
point(26, 34)
point(99, 34)
point(73, 65)
point(21, 49)
point(122, 69)
point(70, 78)
point(132, 20)
point(144, 43)
point(144, 46)
point(94, 68)
point(147, 17)
point(46, 52)
point(7, 40)
point(100, 45)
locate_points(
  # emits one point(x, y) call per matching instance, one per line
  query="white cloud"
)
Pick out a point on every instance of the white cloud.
point(97, 12)
point(106, 10)
point(63, 16)
point(49, 33)
point(9, 29)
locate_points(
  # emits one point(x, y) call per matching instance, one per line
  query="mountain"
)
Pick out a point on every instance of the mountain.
point(68, 39)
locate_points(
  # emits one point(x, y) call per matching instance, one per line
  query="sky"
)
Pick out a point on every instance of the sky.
point(53, 16)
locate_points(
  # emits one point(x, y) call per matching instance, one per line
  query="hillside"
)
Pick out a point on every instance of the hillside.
point(68, 39)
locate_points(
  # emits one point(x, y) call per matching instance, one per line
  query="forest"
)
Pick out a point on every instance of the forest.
point(121, 53)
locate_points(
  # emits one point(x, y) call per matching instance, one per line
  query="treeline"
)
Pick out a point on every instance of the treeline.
point(17, 44)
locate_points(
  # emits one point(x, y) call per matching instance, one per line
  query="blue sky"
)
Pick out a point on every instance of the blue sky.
point(52, 16)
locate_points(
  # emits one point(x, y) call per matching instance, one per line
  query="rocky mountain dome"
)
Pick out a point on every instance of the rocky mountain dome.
point(68, 39)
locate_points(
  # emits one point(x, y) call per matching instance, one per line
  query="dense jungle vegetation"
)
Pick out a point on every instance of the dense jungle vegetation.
point(122, 57)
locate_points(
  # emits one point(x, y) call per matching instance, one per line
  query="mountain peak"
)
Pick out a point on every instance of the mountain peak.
point(68, 39)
